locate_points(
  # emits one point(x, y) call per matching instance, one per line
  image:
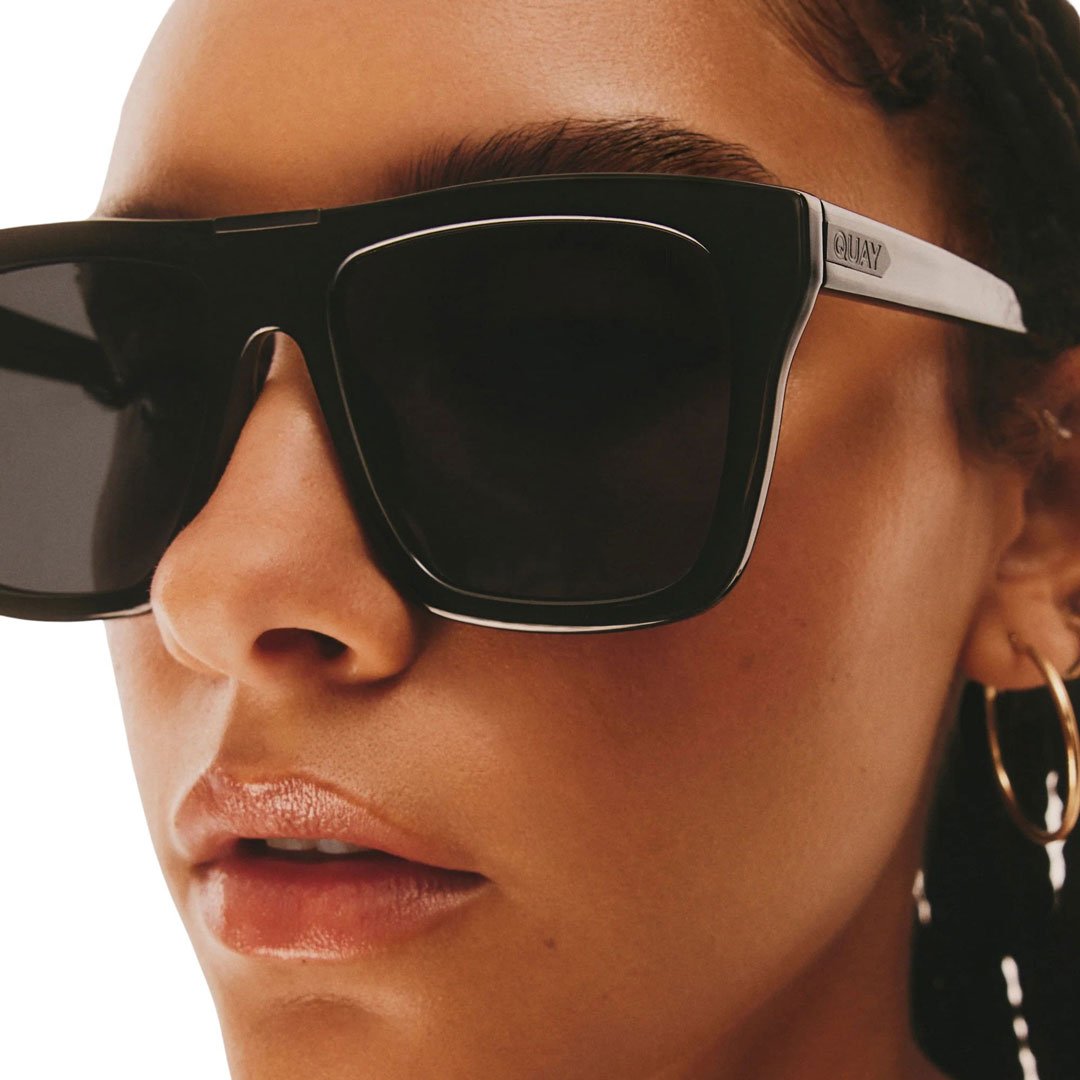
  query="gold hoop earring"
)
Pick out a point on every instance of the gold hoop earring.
point(1069, 732)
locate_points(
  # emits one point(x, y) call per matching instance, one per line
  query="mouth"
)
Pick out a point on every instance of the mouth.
point(293, 869)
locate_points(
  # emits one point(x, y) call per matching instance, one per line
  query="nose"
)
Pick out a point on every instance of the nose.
point(273, 581)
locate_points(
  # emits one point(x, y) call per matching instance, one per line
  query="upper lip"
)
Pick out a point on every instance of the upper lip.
point(220, 809)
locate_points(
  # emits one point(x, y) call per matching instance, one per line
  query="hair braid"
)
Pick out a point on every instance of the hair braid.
point(1040, 84)
point(1023, 168)
point(1060, 23)
point(1016, 84)
point(1062, 83)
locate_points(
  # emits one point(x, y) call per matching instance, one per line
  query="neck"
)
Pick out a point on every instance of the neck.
point(846, 1015)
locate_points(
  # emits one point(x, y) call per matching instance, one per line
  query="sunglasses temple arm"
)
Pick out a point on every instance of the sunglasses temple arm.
point(44, 349)
point(864, 258)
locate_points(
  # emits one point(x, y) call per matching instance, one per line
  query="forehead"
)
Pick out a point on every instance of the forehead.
point(242, 106)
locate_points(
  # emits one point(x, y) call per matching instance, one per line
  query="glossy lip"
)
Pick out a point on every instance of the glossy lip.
point(220, 809)
point(263, 903)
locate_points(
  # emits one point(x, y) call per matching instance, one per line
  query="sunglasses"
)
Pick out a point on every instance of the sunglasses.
point(555, 400)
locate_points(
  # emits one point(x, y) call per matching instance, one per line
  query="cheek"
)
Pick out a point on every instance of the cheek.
point(681, 785)
point(871, 554)
point(858, 593)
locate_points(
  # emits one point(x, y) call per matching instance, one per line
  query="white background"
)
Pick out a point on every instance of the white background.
point(99, 975)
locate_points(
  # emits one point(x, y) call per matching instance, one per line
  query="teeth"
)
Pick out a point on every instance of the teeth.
point(327, 847)
point(336, 847)
point(285, 844)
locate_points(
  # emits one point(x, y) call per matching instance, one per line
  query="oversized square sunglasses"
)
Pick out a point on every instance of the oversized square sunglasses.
point(555, 400)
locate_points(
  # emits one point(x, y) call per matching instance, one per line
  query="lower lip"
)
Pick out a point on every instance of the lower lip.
point(271, 905)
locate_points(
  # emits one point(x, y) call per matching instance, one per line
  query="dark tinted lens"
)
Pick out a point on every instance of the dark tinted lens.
point(542, 404)
point(100, 415)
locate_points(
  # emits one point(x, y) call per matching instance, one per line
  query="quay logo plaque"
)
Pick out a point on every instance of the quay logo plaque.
point(849, 248)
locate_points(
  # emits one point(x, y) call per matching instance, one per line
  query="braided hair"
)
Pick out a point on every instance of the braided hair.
point(998, 84)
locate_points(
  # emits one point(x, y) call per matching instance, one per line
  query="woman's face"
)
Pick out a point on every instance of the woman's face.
point(673, 822)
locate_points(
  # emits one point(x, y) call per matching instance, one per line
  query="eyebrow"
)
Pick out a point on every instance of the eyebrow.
point(644, 144)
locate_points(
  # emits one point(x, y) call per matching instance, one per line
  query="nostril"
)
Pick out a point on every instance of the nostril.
point(286, 639)
point(329, 647)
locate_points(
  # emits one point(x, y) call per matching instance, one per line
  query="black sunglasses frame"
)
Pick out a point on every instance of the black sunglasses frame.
point(776, 248)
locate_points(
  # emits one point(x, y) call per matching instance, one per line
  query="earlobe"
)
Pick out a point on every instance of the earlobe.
point(1034, 598)
point(1031, 610)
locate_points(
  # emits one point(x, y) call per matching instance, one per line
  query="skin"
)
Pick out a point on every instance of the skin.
point(699, 835)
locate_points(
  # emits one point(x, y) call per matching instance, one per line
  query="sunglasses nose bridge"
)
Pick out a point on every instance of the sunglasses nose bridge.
point(269, 281)
point(259, 292)
point(305, 323)
point(256, 355)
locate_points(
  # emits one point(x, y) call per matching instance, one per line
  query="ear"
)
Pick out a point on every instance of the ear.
point(1035, 594)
